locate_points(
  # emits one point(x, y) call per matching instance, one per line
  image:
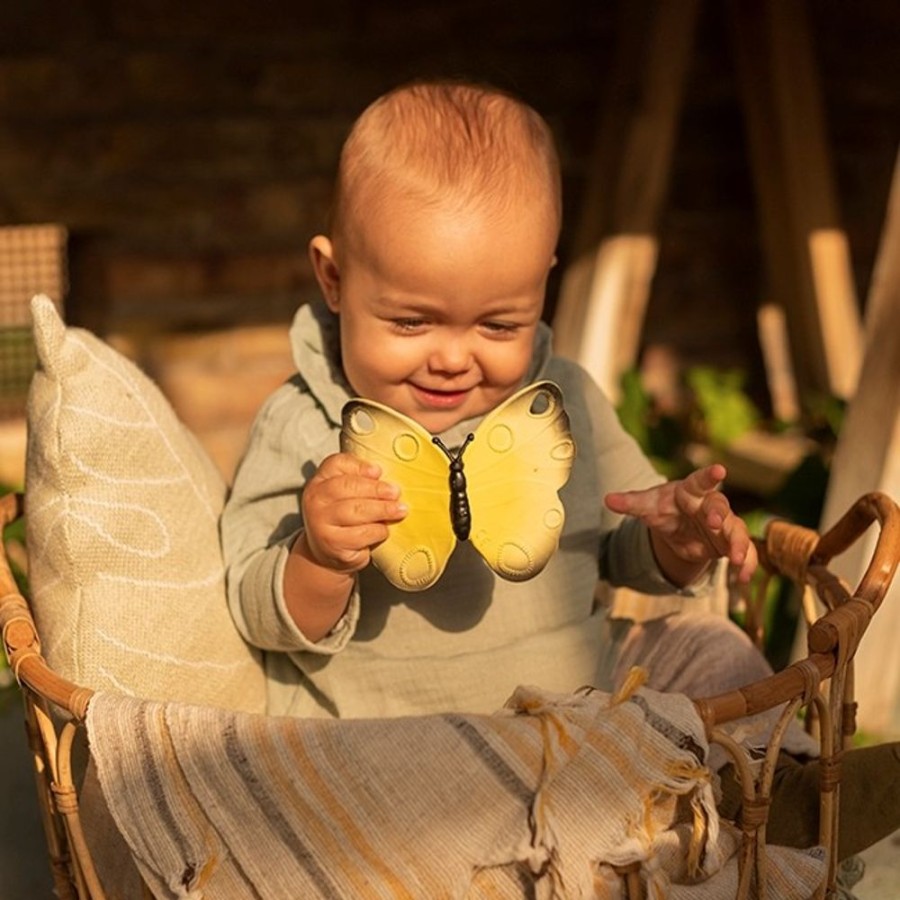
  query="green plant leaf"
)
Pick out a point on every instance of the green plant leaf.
point(726, 410)
point(634, 409)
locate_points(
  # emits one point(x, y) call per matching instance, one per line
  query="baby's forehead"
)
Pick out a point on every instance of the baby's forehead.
point(384, 213)
point(407, 199)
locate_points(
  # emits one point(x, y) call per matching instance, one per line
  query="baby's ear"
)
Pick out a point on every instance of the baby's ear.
point(321, 254)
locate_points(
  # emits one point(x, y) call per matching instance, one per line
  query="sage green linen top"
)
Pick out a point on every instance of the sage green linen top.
point(468, 641)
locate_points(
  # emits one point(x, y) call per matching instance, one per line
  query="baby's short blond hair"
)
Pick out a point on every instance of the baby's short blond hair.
point(443, 142)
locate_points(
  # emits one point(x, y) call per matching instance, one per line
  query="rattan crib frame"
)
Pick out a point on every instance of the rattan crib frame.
point(823, 681)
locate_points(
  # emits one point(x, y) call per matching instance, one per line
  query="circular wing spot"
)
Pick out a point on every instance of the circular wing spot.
point(553, 518)
point(515, 562)
point(361, 421)
point(406, 446)
point(501, 439)
point(542, 404)
point(564, 450)
point(418, 567)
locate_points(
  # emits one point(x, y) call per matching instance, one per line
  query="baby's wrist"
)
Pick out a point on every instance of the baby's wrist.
point(677, 570)
point(303, 550)
point(316, 596)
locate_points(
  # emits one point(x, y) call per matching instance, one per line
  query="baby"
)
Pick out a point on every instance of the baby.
point(433, 274)
point(444, 231)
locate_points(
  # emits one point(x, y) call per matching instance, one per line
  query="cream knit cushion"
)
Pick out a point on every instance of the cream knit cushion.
point(122, 509)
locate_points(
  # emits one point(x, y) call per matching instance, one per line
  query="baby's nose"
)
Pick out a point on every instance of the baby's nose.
point(451, 353)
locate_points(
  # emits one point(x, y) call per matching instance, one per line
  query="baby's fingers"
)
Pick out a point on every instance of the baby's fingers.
point(340, 534)
point(649, 504)
point(346, 464)
point(704, 481)
point(742, 555)
point(748, 566)
point(723, 530)
point(342, 476)
point(358, 488)
point(714, 510)
point(363, 510)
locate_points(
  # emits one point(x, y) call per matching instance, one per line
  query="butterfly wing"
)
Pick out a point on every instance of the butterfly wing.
point(520, 458)
point(417, 548)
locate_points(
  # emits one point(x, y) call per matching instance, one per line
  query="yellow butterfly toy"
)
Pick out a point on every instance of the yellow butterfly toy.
point(503, 496)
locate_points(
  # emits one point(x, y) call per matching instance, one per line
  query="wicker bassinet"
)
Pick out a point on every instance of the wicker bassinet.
point(55, 709)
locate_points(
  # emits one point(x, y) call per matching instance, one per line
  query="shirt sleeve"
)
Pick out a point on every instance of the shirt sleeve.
point(626, 556)
point(262, 518)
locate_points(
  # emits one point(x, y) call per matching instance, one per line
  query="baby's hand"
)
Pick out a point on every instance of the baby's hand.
point(346, 511)
point(691, 523)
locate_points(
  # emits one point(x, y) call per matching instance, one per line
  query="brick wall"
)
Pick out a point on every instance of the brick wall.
point(189, 147)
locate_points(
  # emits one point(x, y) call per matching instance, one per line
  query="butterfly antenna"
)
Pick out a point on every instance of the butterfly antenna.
point(449, 453)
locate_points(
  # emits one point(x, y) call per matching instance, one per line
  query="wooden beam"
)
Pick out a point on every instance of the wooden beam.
point(867, 458)
point(604, 292)
point(806, 251)
point(776, 353)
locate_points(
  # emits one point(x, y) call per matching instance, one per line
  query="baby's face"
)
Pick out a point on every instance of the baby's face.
point(439, 308)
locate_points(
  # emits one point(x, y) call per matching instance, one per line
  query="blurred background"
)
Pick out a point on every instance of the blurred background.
point(729, 259)
point(186, 152)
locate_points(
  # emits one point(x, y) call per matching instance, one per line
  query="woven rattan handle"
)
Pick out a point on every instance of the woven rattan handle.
point(20, 638)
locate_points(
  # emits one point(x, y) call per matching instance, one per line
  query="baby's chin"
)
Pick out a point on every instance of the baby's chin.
point(441, 421)
point(438, 423)
point(437, 420)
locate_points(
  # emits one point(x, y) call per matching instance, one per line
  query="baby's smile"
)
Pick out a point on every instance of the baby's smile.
point(437, 398)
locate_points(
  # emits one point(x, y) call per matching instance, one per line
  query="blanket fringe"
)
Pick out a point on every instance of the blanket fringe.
point(636, 678)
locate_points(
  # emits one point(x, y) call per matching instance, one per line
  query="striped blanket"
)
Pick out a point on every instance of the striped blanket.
point(539, 800)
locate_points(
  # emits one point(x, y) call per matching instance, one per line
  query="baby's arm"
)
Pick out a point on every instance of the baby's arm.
point(346, 508)
point(691, 524)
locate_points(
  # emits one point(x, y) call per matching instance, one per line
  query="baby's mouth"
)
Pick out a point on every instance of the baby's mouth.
point(440, 399)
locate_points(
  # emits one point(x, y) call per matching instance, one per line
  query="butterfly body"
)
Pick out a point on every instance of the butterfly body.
point(504, 498)
point(460, 512)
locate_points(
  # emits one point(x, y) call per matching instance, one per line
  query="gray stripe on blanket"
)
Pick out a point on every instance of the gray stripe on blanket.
point(668, 730)
point(280, 826)
point(496, 764)
point(149, 712)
